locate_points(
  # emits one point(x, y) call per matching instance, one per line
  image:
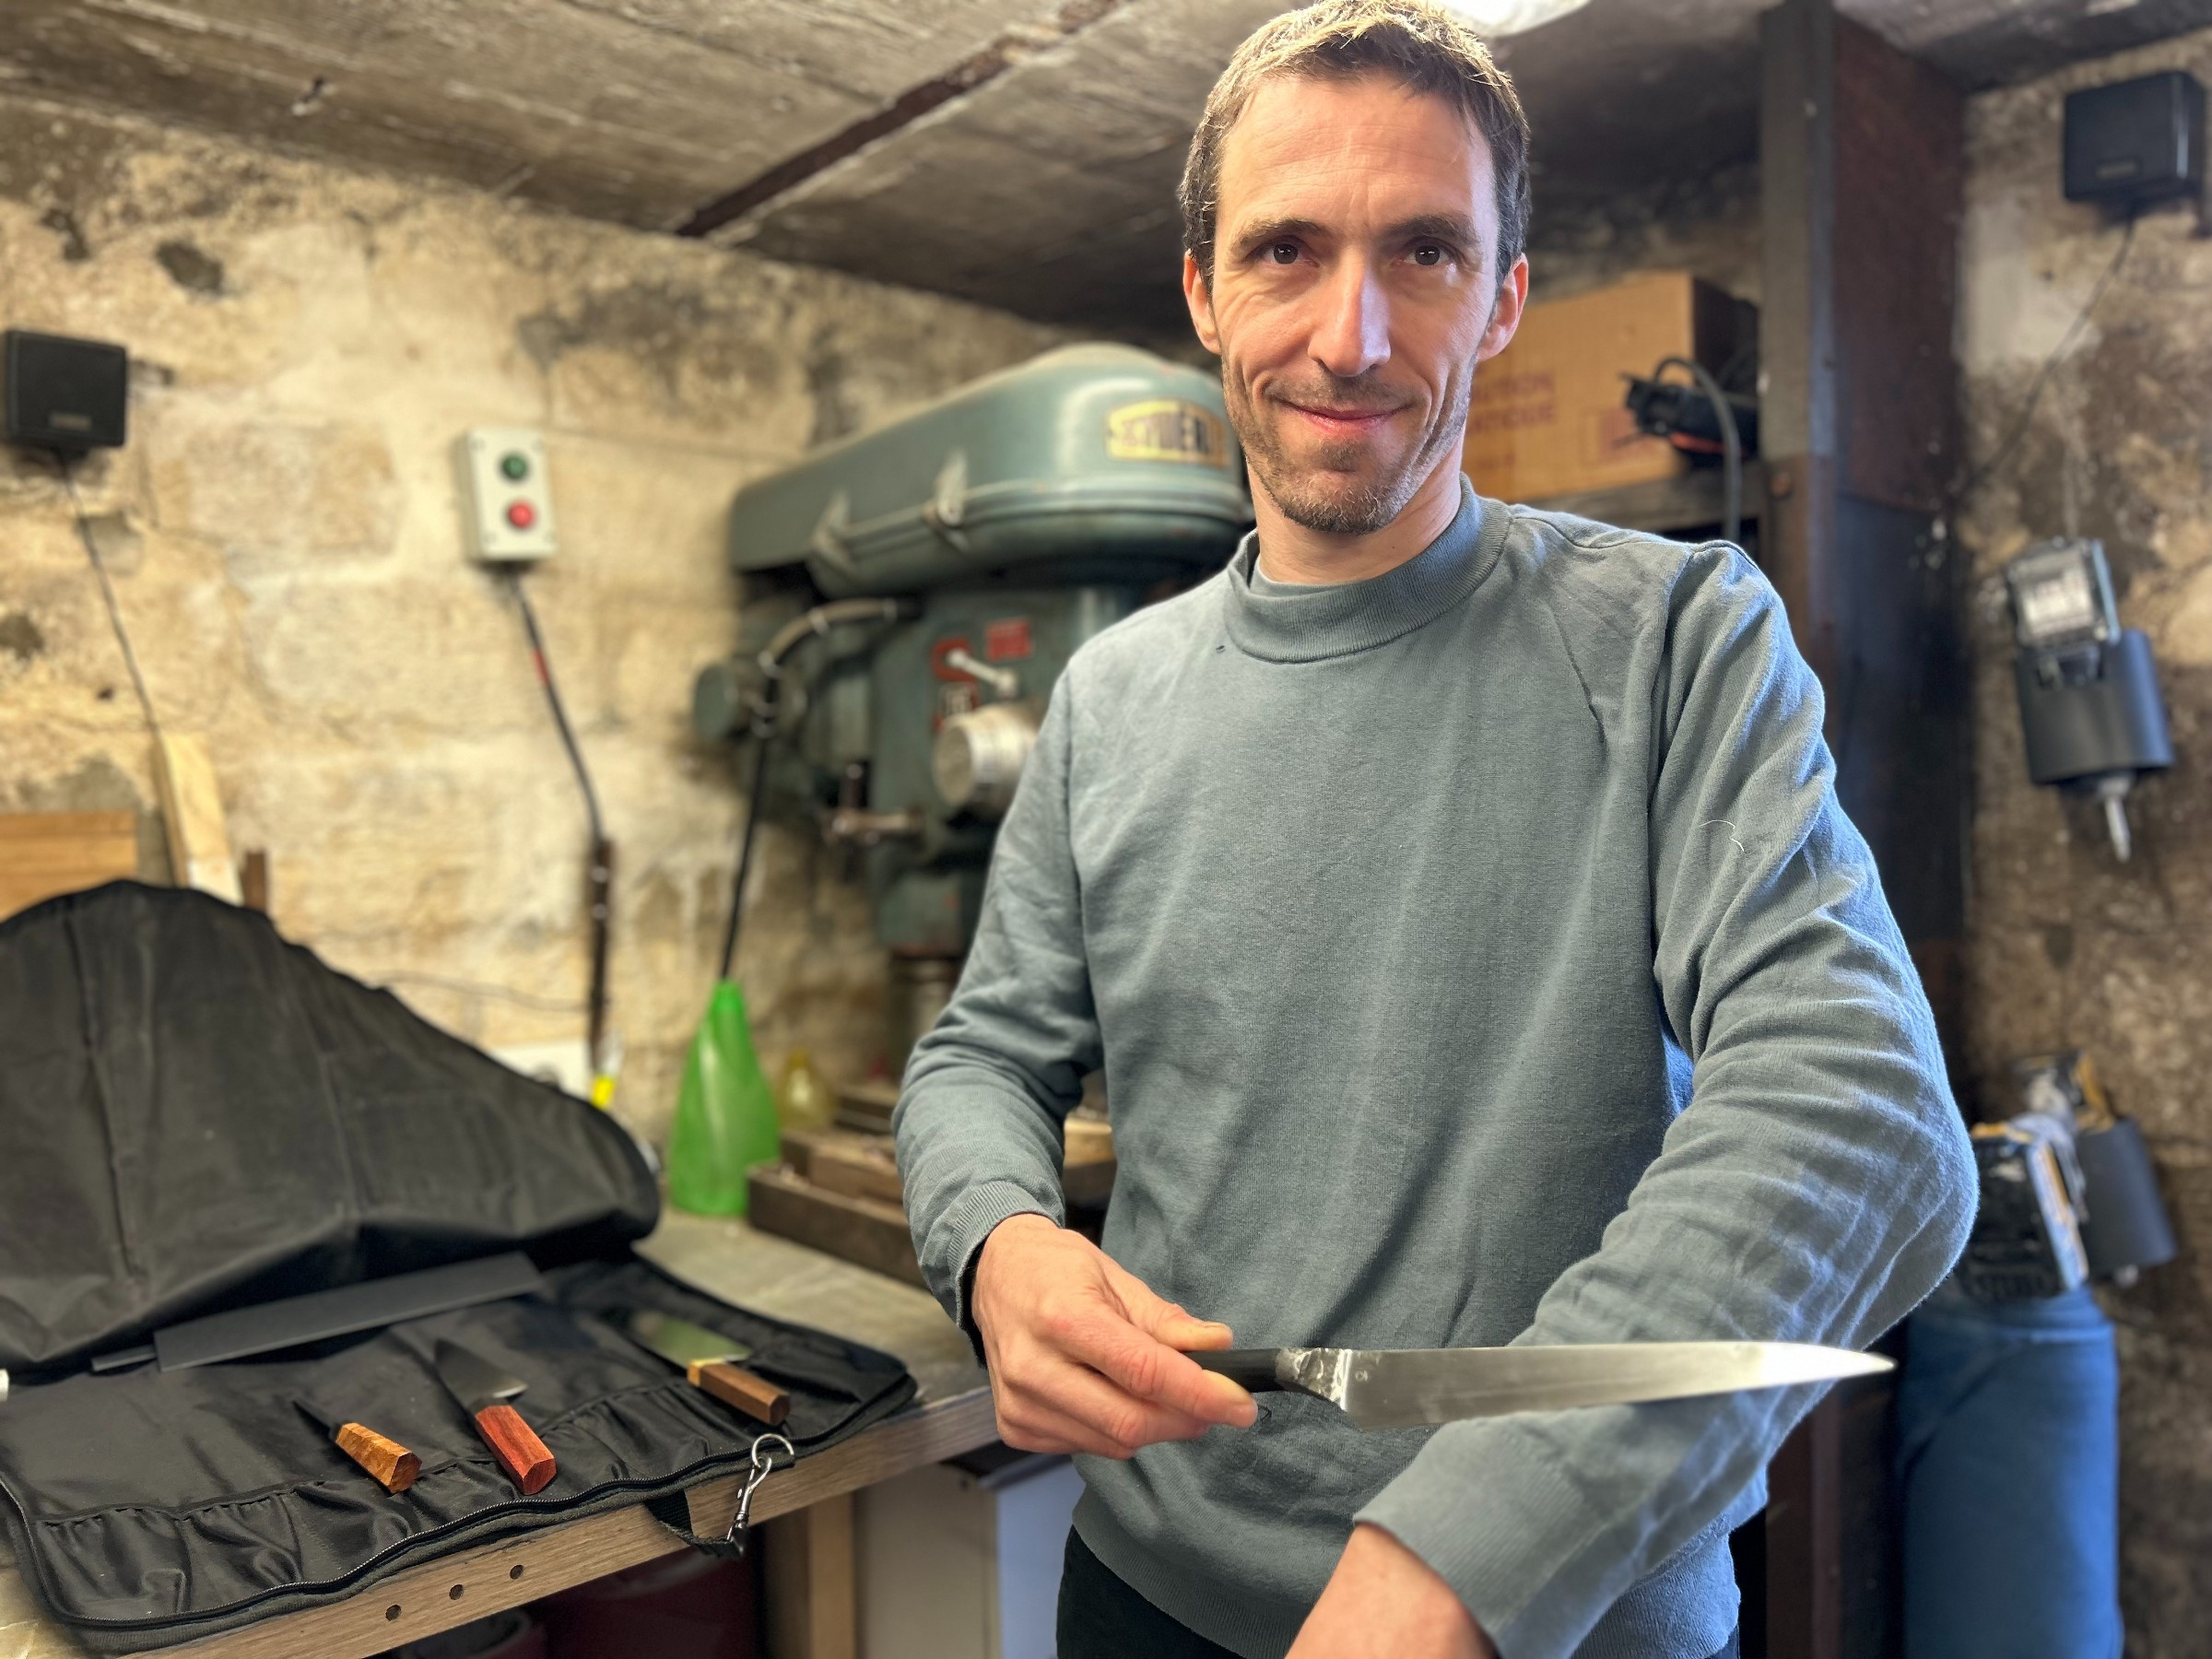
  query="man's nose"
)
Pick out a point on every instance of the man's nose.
point(1352, 333)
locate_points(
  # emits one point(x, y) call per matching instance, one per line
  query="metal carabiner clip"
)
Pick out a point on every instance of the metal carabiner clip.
point(764, 1463)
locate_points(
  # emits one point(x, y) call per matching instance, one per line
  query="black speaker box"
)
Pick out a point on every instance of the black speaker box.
point(2136, 141)
point(65, 394)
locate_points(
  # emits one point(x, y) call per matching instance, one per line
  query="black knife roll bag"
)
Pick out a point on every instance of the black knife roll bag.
point(197, 1116)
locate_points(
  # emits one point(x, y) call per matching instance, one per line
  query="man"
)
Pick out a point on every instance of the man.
point(1457, 902)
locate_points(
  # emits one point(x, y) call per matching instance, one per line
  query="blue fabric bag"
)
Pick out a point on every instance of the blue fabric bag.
point(2008, 1455)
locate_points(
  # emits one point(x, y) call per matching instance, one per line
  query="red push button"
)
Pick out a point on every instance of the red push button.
point(521, 514)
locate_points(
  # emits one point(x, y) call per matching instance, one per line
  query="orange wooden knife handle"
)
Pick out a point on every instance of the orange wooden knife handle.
point(393, 1465)
point(733, 1385)
point(520, 1452)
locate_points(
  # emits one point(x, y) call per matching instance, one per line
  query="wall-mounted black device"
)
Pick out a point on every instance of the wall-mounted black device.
point(2088, 691)
point(2136, 141)
point(63, 393)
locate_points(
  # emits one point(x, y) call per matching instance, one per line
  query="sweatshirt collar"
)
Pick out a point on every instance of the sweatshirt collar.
point(1310, 623)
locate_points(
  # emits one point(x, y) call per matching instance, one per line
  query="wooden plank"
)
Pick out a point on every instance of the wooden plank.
point(1665, 506)
point(192, 808)
point(847, 1161)
point(811, 1590)
point(865, 1230)
point(44, 854)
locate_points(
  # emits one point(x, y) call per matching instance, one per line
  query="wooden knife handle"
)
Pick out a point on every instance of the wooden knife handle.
point(393, 1465)
point(733, 1385)
point(520, 1452)
point(1252, 1370)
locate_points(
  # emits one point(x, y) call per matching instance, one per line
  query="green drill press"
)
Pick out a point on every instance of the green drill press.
point(912, 594)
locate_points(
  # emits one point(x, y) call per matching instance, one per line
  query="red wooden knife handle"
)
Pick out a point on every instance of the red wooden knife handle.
point(520, 1452)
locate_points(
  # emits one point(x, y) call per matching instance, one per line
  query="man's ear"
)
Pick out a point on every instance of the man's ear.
point(1505, 311)
point(1196, 295)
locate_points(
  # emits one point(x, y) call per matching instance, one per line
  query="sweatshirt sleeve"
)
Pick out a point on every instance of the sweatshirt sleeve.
point(1816, 1186)
point(978, 1119)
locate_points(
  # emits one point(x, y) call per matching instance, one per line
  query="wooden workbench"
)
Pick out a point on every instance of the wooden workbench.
point(727, 1258)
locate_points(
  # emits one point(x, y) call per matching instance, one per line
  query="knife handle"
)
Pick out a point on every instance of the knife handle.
point(733, 1385)
point(519, 1450)
point(393, 1465)
point(1252, 1370)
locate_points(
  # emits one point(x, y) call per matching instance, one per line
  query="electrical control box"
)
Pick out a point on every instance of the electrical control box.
point(506, 494)
point(2136, 141)
point(65, 394)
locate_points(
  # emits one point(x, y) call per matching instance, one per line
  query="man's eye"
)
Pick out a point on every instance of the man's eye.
point(1282, 253)
point(1428, 254)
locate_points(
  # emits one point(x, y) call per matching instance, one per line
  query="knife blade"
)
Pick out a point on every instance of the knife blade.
point(709, 1363)
point(483, 1391)
point(1396, 1388)
point(267, 1327)
point(394, 1466)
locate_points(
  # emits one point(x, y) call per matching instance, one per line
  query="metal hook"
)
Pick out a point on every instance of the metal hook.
point(764, 1463)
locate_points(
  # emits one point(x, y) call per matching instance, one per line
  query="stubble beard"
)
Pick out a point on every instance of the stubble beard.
point(1328, 493)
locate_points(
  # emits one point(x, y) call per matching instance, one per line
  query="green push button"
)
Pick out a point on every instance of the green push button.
point(515, 465)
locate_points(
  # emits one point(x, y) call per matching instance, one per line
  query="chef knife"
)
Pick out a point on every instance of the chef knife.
point(484, 1390)
point(709, 1363)
point(266, 1327)
point(391, 1463)
point(1396, 1388)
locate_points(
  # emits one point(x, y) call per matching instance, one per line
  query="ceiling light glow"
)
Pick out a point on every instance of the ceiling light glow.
point(1495, 18)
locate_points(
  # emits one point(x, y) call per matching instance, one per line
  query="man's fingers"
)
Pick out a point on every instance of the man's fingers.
point(1031, 1426)
point(1085, 1409)
point(1150, 1369)
point(1164, 1320)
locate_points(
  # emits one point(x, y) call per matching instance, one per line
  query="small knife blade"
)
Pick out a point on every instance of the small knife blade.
point(483, 1391)
point(709, 1363)
point(394, 1466)
point(1397, 1388)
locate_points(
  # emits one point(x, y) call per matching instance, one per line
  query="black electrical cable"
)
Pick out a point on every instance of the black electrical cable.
point(763, 736)
point(601, 867)
point(107, 593)
point(2042, 376)
point(1732, 443)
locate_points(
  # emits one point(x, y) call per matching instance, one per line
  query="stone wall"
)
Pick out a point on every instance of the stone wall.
point(1708, 227)
point(2068, 946)
point(308, 342)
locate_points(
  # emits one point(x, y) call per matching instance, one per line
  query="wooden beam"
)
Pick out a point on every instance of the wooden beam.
point(810, 1587)
point(43, 853)
point(199, 843)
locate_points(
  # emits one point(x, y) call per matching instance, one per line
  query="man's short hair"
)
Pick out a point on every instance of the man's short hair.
point(1418, 44)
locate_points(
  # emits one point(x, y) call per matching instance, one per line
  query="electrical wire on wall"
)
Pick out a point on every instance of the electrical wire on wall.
point(1982, 474)
point(1732, 442)
point(107, 594)
point(601, 868)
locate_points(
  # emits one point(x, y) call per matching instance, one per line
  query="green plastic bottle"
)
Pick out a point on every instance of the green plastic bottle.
point(726, 1116)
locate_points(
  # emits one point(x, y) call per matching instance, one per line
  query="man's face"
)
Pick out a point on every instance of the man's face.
point(1353, 292)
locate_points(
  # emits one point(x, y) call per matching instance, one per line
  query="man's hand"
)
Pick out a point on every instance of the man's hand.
point(1083, 1356)
point(1384, 1602)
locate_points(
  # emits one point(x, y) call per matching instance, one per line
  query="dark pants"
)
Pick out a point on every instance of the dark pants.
point(1102, 1618)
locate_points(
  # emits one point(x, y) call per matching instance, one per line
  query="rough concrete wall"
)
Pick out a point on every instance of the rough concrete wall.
point(1708, 226)
point(283, 533)
point(2067, 947)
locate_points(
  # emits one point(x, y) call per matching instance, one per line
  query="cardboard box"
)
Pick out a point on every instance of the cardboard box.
point(1547, 417)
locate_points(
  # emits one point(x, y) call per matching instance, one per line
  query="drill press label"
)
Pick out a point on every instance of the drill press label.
point(1166, 429)
point(1008, 641)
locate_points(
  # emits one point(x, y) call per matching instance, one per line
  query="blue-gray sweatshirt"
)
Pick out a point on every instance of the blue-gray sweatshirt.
point(1475, 954)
